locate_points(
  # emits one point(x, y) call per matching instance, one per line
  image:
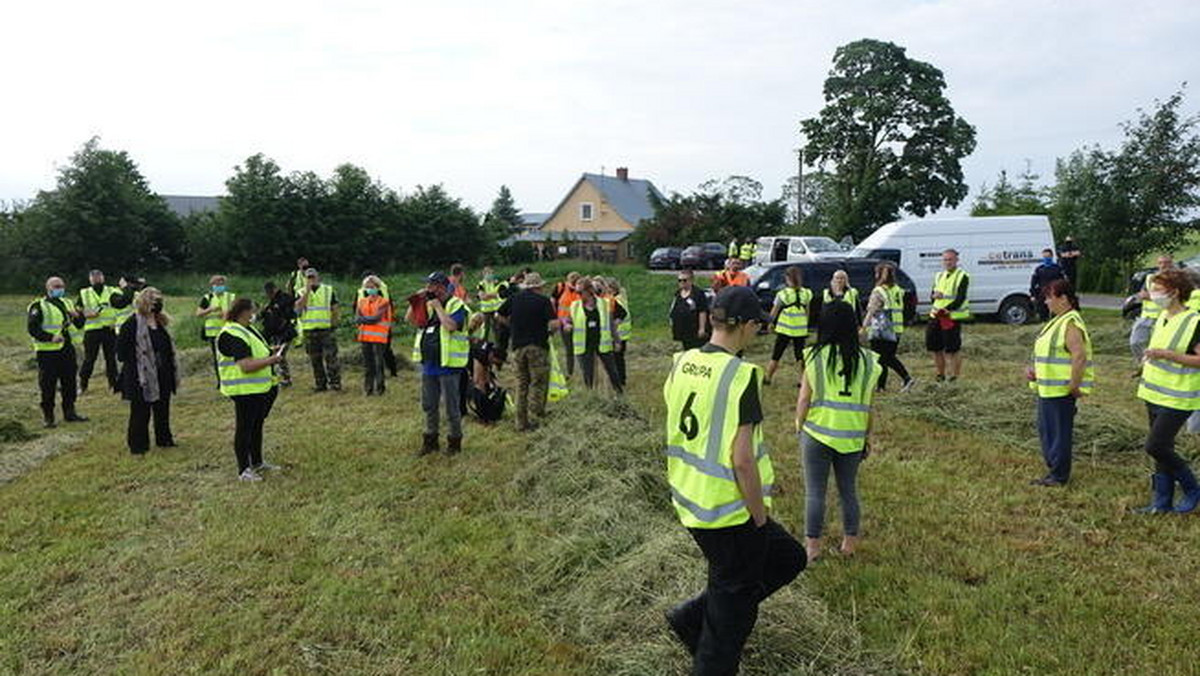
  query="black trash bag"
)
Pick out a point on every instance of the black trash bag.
point(487, 405)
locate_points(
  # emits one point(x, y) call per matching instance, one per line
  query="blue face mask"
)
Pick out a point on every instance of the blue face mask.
point(1047, 261)
point(57, 293)
point(219, 289)
point(372, 292)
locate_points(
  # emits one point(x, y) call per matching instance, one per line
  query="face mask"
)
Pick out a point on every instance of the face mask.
point(372, 292)
point(57, 293)
point(1160, 299)
point(314, 286)
point(253, 317)
point(218, 289)
point(156, 306)
point(1047, 261)
point(98, 287)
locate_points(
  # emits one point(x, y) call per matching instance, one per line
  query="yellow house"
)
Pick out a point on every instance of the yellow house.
point(596, 218)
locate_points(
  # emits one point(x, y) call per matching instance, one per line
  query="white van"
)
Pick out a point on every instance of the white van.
point(805, 248)
point(999, 252)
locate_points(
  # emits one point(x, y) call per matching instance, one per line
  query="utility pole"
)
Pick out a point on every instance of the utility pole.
point(800, 189)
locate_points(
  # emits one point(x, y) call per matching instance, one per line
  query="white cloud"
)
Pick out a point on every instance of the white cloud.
point(475, 94)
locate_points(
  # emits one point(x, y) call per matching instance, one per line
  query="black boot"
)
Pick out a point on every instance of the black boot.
point(48, 417)
point(70, 415)
point(428, 445)
point(453, 445)
point(687, 620)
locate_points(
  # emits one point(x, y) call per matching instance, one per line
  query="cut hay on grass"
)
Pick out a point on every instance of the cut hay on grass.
point(613, 556)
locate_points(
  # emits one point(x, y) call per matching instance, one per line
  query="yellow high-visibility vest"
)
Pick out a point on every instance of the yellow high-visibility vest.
point(793, 315)
point(947, 283)
point(1052, 360)
point(1168, 383)
point(837, 416)
point(233, 380)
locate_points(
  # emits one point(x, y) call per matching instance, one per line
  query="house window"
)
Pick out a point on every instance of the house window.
point(585, 211)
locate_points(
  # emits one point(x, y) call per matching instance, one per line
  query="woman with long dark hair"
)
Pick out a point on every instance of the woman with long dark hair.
point(1061, 374)
point(885, 324)
point(149, 374)
point(833, 416)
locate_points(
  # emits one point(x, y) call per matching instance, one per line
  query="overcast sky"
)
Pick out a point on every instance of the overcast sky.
point(531, 94)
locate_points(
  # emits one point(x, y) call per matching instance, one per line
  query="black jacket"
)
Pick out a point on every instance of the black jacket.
point(33, 324)
point(278, 317)
point(131, 390)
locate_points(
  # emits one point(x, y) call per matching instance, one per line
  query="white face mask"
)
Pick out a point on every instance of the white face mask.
point(1160, 299)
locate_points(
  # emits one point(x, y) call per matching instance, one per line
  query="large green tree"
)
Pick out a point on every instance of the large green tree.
point(719, 210)
point(1006, 198)
point(102, 214)
point(889, 136)
point(504, 218)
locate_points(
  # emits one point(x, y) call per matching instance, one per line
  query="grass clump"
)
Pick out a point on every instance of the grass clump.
point(612, 556)
point(12, 431)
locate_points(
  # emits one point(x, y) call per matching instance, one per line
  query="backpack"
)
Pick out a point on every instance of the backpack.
point(487, 405)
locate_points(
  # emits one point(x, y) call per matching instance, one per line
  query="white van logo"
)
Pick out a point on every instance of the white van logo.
point(1009, 259)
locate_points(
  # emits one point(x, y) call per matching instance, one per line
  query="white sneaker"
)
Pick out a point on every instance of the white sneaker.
point(909, 385)
point(249, 474)
point(266, 466)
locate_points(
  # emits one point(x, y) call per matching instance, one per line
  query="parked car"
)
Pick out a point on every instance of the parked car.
point(805, 248)
point(1137, 281)
point(768, 279)
point(666, 258)
point(704, 256)
point(999, 252)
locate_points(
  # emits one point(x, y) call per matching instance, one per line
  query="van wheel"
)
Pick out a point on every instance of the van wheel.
point(1015, 311)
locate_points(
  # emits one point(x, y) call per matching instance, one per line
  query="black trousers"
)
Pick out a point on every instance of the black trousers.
point(93, 342)
point(568, 339)
point(251, 411)
point(389, 357)
point(373, 363)
point(886, 349)
point(587, 364)
point(692, 343)
point(138, 434)
point(746, 564)
point(57, 370)
point(619, 361)
point(1165, 424)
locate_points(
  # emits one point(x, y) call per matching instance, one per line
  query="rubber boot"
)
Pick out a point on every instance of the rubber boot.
point(1191, 491)
point(453, 445)
point(1163, 487)
point(428, 445)
point(48, 417)
point(686, 621)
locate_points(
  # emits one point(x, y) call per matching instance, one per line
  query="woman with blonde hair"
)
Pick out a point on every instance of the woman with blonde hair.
point(840, 290)
point(149, 372)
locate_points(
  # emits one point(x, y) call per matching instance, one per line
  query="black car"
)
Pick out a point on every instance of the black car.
point(767, 279)
point(666, 258)
point(1137, 282)
point(704, 256)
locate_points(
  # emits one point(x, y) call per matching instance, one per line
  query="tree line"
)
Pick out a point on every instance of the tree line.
point(103, 214)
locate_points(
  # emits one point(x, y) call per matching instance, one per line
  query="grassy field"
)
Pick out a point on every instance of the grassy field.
point(555, 553)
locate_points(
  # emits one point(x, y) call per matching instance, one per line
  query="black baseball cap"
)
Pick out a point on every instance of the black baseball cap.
point(736, 304)
point(438, 277)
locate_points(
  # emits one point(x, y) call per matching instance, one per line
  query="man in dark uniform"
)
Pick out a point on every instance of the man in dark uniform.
point(1068, 259)
point(278, 317)
point(50, 319)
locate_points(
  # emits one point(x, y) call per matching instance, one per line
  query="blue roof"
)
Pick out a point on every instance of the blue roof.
point(602, 236)
point(534, 219)
point(631, 198)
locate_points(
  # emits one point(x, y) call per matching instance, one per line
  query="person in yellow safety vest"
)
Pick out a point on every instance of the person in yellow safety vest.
point(491, 293)
point(1170, 386)
point(212, 308)
point(317, 307)
point(389, 357)
point(442, 347)
point(100, 304)
point(49, 321)
point(789, 319)
point(1139, 333)
point(746, 252)
point(721, 480)
point(1060, 375)
point(734, 250)
point(618, 300)
point(884, 324)
point(295, 284)
point(840, 290)
point(833, 416)
point(247, 376)
point(373, 315)
point(593, 333)
point(951, 307)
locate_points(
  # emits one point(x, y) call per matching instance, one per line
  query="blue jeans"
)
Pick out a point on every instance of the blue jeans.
point(1056, 428)
point(818, 460)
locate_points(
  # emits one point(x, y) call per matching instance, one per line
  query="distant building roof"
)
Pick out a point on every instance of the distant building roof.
point(534, 220)
point(629, 196)
point(186, 205)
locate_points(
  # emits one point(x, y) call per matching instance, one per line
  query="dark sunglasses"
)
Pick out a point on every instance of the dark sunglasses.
point(681, 279)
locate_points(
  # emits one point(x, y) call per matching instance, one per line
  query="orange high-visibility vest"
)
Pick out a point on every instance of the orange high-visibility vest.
point(369, 306)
